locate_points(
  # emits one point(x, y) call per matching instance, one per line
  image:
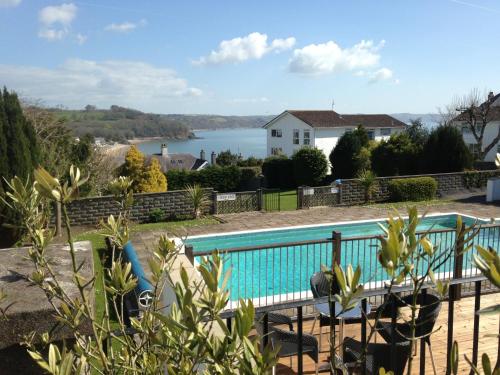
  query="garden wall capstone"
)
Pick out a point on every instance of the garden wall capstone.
point(89, 211)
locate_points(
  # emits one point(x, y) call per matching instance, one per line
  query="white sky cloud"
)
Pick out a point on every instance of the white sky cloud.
point(261, 99)
point(125, 27)
point(329, 57)
point(55, 21)
point(9, 3)
point(252, 46)
point(81, 39)
point(78, 82)
point(380, 75)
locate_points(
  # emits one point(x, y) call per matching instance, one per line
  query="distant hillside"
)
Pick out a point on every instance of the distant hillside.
point(429, 119)
point(120, 124)
point(220, 122)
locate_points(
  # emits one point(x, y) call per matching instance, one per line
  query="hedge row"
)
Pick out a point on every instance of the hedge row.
point(222, 179)
point(412, 189)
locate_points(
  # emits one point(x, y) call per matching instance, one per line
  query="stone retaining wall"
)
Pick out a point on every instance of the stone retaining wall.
point(89, 211)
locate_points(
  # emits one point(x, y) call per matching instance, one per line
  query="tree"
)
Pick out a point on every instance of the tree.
point(134, 166)
point(395, 156)
point(417, 132)
point(446, 151)
point(309, 166)
point(153, 180)
point(278, 171)
point(345, 158)
point(225, 158)
point(476, 113)
point(4, 162)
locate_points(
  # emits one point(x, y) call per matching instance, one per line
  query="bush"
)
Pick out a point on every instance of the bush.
point(309, 166)
point(279, 172)
point(156, 216)
point(446, 151)
point(345, 158)
point(412, 189)
point(396, 156)
point(250, 178)
point(219, 178)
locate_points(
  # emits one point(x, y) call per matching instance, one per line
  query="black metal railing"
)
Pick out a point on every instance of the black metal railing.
point(380, 294)
point(280, 272)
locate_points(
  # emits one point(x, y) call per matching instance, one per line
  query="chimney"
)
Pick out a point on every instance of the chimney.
point(213, 157)
point(202, 155)
point(490, 96)
point(164, 149)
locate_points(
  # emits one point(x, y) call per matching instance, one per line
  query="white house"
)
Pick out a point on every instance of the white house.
point(490, 132)
point(292, 130)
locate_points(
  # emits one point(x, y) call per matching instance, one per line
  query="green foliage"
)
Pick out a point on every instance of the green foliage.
point(226, 158)
point(222, 179)
point(412, 189)
point(198, 199)
point(446, 151)
point(250, 162)
point(367, 180)
point(156, 215)
point(278, 171)
point(345, 157)
point(395, 156)
point(417, 132)
point(134, 166)
point(153, 180)
point(309, 166)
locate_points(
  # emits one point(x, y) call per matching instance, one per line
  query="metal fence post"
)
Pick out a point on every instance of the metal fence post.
point(300, 196)
point(336, 248)
point(459, 261)
point(214, 202)
point(188, 251)
point(260, 199)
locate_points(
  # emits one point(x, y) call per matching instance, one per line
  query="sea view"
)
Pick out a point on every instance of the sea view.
point(248, 142)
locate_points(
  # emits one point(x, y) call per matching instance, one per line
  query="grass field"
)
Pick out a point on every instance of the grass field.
point(288, 200)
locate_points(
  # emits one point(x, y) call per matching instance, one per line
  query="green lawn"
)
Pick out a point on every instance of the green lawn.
point(288, 200)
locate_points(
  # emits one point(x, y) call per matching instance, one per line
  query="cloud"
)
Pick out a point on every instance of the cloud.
point(56, 20)
point(125, 27)
point(329, 57)
point(9, 3)
point(261, 99)
point(380, 75)
point(78, 82)
point(80, 38)
point(253, 46)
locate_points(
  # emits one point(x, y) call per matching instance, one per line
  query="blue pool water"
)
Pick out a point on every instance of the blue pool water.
point(280, 270)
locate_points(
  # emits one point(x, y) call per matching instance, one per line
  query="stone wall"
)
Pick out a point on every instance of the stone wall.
point(89, 211)
point(352, 193)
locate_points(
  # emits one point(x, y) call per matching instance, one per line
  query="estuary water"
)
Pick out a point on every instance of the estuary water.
point(248, 142)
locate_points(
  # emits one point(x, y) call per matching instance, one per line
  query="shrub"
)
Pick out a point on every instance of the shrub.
point(156, 215)
point(367, 180)
point(412, 189)
point(279, 172)
point(345, 158)
point(396, 156)
point(446, 151)
point(219, 178)
point(309, 166)
point(250, 178)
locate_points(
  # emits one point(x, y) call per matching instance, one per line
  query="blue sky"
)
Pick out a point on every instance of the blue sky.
point(259, 57)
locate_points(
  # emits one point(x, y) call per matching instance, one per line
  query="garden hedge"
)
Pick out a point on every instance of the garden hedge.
point(412, 189)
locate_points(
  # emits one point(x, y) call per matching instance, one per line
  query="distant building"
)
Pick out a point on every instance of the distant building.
point(186, 162)
point(490, 132)
point(292, 130)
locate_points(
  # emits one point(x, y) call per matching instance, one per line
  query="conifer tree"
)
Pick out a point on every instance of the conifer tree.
point(4, 162)
point(153, 180)
point(134, 166)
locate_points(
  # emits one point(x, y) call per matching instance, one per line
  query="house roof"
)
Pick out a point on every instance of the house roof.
point(493, 113)
point(178, 162)
point(332, 119)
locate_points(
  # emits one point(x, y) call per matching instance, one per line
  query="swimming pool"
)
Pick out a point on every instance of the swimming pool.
point(280, 270)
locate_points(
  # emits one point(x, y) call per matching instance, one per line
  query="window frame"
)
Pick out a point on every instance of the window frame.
point(307, 140)
point(296, 137)
point(385, 132)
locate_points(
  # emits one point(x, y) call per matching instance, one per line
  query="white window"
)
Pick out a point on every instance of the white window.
point(385, 131)
point(465, 130)
point(371, 134)
point(296, 139)
point(276, 150)
point(276, 133)
point(307, 137)
point(474, 149)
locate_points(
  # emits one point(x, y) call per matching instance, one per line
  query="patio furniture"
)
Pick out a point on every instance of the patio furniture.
point(287, 340)
point(377, 356)
point(430, 305)
point(320, 287)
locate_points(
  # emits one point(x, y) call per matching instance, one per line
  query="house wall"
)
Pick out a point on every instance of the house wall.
point(287, 124)
point(490, 133)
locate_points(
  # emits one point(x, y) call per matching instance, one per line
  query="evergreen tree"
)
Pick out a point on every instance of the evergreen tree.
point(134, 166)
point(4, 162)
point(153, 180)
point(346, 158)
point(309, 166)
